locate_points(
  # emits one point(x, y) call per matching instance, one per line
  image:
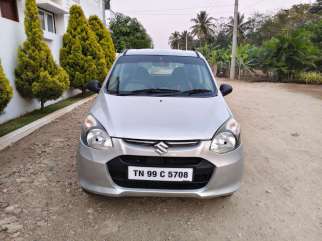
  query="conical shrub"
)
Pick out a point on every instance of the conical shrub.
point(104, 39)
point(81, 55)
point(37, 74)
point(5, 90)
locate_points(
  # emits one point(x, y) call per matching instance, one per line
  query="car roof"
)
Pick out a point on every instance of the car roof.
point(172, 52)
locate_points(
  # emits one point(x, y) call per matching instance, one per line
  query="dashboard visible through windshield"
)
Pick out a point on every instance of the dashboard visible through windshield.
point(148, 75)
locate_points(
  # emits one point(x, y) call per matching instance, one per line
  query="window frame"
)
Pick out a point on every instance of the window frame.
point(46, 13)
point(15, 11)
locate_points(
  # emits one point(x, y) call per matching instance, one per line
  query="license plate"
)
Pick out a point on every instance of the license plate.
point(160, 174)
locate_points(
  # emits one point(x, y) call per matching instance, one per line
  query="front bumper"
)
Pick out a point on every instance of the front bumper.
point(94, 175)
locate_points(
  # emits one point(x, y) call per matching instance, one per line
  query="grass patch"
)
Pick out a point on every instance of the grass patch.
point(21, 121)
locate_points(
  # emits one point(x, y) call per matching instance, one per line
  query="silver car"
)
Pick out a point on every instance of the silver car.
point(160, 127)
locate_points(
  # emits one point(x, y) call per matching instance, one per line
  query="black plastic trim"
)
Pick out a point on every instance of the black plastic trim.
point(202, 171)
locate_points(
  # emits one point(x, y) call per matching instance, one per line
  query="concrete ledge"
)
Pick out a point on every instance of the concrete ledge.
point(26, 130)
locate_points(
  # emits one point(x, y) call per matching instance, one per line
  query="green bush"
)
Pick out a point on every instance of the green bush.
point(81, 55)
point(310, 77)
point(37, 74)
point(287, 54)
point(209, 53)
point(104, 38)
point(5, 90)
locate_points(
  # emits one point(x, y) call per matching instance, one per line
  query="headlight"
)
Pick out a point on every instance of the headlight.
point(98, 139)
point(89, 122)
point(94, 134)
point(227, 137)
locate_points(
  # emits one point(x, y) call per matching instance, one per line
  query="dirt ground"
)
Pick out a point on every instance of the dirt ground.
point(280, 198)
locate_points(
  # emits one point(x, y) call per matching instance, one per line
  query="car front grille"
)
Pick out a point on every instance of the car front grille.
point(188, 143)
point(202, 171)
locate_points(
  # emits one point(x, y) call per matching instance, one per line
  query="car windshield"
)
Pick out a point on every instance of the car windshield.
point(161, 76)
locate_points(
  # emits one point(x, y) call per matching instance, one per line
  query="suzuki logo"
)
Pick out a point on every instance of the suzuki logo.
point(161, 148)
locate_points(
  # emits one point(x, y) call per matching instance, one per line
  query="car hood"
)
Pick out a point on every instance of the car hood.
point(160, 118)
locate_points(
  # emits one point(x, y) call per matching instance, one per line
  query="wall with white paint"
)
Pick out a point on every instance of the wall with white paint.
point(11, 37)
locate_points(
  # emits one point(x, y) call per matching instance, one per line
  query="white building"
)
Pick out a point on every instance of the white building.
point(54, 18)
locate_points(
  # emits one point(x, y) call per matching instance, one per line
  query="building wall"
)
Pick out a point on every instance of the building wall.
point(11, 37)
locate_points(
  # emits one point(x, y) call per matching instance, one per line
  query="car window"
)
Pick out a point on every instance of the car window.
point(161, 75)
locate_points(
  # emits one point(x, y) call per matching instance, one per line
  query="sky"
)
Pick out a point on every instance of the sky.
point(162, 17)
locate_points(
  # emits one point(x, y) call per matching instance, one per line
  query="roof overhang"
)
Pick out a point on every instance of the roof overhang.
point(51, 6)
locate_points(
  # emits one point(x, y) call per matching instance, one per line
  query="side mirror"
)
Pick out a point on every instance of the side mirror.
point(225, 89)
point(94, 86)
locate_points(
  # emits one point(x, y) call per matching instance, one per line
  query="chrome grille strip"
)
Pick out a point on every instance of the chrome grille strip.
point(182, 143)
point(170, 143)
point(134, 141)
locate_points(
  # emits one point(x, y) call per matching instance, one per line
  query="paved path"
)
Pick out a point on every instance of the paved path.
point(280, 198)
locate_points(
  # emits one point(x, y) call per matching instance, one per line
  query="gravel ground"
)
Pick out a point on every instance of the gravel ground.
point(280, 198)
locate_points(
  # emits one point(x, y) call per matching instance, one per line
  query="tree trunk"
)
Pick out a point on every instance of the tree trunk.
point(42, 105)
point(83, 91)
point(214, 69)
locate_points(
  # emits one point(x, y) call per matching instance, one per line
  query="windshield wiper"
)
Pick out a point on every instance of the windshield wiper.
point(149, 91)
point(165, 92)
point(196, 91)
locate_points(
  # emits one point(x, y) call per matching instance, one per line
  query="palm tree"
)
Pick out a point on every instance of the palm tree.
point(174, 40)
point(242, 27)
point(203, 26)
point(186, 36)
